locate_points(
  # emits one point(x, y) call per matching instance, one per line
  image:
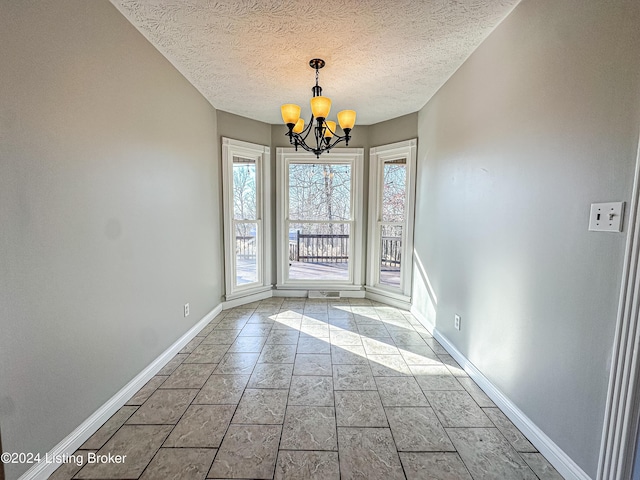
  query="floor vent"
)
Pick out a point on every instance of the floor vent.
point(323, 294)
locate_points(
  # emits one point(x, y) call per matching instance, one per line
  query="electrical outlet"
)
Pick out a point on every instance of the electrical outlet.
point(186, 309)
point(457, 322)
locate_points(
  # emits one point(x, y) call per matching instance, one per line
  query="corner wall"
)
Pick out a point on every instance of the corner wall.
point(109, 189)
point(541, 121)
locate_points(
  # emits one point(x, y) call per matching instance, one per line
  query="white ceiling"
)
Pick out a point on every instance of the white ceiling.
point(384, 58)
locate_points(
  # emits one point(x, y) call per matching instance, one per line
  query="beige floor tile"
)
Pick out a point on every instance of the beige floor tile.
point(457, 409)
point(400, 392)
point(311, 390)
point(368, 453)
point(417, 429)
point(209, 353)
point(312, 364)
point(145, 392)
point(435, 378)
point(434, 466)
point(222, 389)
point(353, 377)
point(348, 355)
point(380, 346)
point(237, 364)
point(188, 348)
point(163, 407)
point(487, 454)
point(295, 465)
point(261, 407)
point(180, 464)
point(255, 330)
point(509, 430)
point(359, 408)
point(201, 426)
point(247, 451)
point(271, 375)
point(541, 467)
point(248, 344)
point(309, 428)
point(388, 366)
point(419, 355)
point(106, 431)
point(136, 445)
point(189, 375)
point(313, 345)
point(278, 354)
point(453, 366)
point(223, 337)
point(68, 469)
point(172, 364)
point(476, 392)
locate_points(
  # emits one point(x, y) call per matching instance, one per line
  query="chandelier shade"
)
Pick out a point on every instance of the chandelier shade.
point(290, 113)
point(324, 131)
point(330, 129)
point(347, 119)
point(320, 107)
point(299, 127)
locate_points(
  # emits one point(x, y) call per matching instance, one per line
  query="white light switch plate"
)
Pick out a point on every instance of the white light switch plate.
point(606, 217)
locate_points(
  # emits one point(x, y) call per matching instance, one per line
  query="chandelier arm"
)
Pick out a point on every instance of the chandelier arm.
point(337, 140)
point(305, 133)
point(305, 147)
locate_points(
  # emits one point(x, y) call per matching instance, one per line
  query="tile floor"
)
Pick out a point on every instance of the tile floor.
point(304, 389)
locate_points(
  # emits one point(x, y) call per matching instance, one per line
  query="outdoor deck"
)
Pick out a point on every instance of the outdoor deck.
point(339, 271)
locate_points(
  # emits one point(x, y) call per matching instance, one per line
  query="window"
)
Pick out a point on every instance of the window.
point(320, 232)
point(390, 241)
point(245, 173)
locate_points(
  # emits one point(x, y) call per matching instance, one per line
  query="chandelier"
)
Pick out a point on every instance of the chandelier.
point(324, 130)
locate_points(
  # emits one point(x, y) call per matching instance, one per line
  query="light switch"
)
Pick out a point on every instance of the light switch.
point(606, 217)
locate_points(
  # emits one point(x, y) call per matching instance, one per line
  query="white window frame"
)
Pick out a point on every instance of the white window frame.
point(346, 156)
point(261, 154)
point(377, 158)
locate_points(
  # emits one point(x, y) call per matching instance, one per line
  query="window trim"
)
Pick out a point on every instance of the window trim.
point(351, 156)
point(261, 154)
point(377, 158)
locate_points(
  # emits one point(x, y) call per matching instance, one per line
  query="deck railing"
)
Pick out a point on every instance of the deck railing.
point(391, 252)
point(246, 247)
point(334, 248)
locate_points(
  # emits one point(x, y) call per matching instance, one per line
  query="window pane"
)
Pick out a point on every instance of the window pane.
point(246, 253)
point(394, 190)
point(319, 191)
point(319, 251)
point(244, 188)
point(390, 254)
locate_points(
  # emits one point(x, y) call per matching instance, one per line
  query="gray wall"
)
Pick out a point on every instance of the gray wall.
point(539, 122)
point(109, 209)
point(394, 130)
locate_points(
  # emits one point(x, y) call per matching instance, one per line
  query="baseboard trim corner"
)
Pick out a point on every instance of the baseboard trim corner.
point(249, 298)
point(42, 470)
point(552, 452)
point(422, 319)
point(397, 301)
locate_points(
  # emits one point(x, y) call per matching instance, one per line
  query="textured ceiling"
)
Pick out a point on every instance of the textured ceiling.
point(384, 58)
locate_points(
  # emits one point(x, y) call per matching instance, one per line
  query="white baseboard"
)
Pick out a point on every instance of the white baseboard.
point(286, 292)
point(552, 452)
point(42, 470)
point(290, 293)
point(388, 299)
point(422, 319)
point(243, 300)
